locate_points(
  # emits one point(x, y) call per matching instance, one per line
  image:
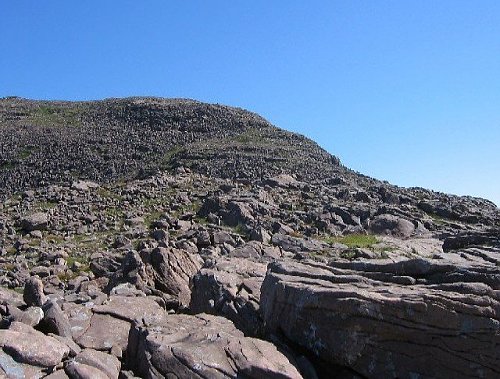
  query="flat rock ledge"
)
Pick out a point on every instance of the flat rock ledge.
point(390, 324)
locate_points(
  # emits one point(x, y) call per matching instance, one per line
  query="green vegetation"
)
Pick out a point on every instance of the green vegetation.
point(7, 166)
point(248, 137)
point(354, 240)
point(25, 153)
point(50, 115)
point(152, 217)
point(54, 239)
point(348, 254)
point(438, 219)
point(242, 231)
point(167, 161)
point(114, 212)
point(45, 205)
point(11, 250)
point(108, 194)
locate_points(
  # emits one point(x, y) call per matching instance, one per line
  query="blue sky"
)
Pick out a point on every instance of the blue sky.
point(405, 91)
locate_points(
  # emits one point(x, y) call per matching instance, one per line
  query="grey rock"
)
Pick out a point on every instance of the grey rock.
point(77, 370)
point(375, 326)
point(390, 224)
point(35, 221)
point(105, 332)
point(33, 292)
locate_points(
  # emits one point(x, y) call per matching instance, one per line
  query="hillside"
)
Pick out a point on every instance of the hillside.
point(54, 142)
point(167, 238)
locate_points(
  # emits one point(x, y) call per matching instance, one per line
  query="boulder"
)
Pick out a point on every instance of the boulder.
point(231, 289)
point(54, 320)
point(107, 363)
point(77, 370)
point(382, 328)
point(170, 270)
point(31, 316)
point(392, 225)
point(131, 308)
point(12, 369)
point(282, 180)
point(27, 345)
point(204, 346)
point(104, 333)
point(163, 271)
point(296, 244)
point(35, 221)
point(33, 292)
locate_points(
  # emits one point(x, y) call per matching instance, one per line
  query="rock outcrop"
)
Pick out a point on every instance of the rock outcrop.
point(396, 320)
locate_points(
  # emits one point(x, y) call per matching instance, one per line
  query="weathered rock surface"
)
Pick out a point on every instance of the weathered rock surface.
point(108, 364)
point(104, 333)
point(204, 346)
point(33, 292)
point(27, 345)
point(388, 328)
point(231, 289)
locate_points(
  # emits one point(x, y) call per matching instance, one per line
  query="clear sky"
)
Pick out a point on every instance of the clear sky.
point(405, 91)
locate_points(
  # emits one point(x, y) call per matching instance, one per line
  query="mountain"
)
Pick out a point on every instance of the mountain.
point(157, 237)
point(50, 142)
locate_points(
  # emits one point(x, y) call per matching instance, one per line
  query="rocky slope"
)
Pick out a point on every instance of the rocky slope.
point(170, 238)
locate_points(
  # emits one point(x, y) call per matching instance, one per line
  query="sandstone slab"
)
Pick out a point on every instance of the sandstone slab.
point(386, 328)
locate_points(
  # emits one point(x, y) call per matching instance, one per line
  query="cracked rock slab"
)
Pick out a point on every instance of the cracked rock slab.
point(382, 329)
point(204, 346)
point(27, 345)
point(132, 308)
point(105, 332)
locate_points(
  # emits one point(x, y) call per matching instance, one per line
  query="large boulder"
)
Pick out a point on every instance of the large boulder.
point(296, 244)
point(105, 333)
point(131, 308)
point(162, 271)
point(231, 289)
point(33, 292)
point(392, 225)
point(203, 346)
point(35, 221)
point(107, 363)
point(389, 324)
point(29, 346)
point(170, 271)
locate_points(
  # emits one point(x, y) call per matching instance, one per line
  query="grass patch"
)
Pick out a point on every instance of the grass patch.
point(354, 240)
point(11, 250)
point(168, 160)
point(108, 194)
point(438, 219)
point(248, 137)
point(54, 239)
point(348, 254)
point(152, 217)
point(25, 153)
point(7, 166)
point(45, 205)
point(114, 212)
point(50, 115)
